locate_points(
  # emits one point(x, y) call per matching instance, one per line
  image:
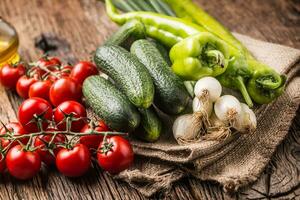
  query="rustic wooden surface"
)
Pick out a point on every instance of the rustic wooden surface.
point(78, 27)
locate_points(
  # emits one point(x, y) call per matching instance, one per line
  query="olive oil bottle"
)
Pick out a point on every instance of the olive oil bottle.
point(9, 43)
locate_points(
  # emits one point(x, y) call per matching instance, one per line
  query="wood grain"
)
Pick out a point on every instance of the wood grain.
point(77, 27)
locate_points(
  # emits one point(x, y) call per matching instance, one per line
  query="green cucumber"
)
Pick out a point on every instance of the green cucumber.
point(170, 94)
point(131, 30)
point(128, 73)
point(150, 126)
point(163, 51)
point(110, 104)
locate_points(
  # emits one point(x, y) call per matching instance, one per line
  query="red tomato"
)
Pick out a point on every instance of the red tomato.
point(82, 70)
point(67, 69)
point(93, 141)
point(74, 162)
point(70, 107)
point(16, 129)
point(23, 85)
point(51, 63)
point(2, 163)
point(115, 154)
point(34, 107)
point(40, 89)
point(65, 89)
point(42, 142)
point(22, 164)
point(10, 74)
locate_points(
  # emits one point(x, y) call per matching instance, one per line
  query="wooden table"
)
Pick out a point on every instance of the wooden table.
point(76, 28)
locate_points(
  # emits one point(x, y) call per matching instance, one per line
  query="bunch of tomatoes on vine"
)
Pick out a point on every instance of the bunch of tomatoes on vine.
point(53, 127)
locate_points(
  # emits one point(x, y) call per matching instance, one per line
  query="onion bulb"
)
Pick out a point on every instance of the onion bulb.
point(188, 128)
point(202, 106)
point(246, 121)
point(208, 86)
point(227, 108)
point(217, 130)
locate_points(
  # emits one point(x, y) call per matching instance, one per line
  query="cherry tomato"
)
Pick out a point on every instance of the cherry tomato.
point(16, 129)
point(65, 89)
point(10, 74)
point(74, 162)
point(92, 141)
point(31, 108)
point(51, 63)
point(2, 163)
point(67, 69)
point(70, 107)
point(23, 85)
point(40, 89)
point(22, 164)
point(115, 154)
point(82, 70)
point(42, 142)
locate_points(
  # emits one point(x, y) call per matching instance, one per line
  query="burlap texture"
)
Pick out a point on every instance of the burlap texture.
point(234, 162)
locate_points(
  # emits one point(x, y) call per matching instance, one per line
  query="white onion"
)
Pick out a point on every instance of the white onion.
point(202, 106)
point(246, 121)
point(187, 127)
point(227, 108)
point(210, 86)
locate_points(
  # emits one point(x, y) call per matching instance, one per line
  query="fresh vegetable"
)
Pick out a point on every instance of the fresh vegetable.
point(208, 87)
point(188, 128)
point(165, 29)
point(128, 73)
point(110, 104)
point(10, 74)
point(227, 108)
point(15, 129)
point(65, 89)
point(93, 141)
point(22, 164)
point(73, 109)
point(115, 154)
point(170, 93)
point(40, 89)
point(202, 105)
point(2, 163)
point(131, 30)
point(50, 63)
point(163, 51)
point(34, 111)
point(73, 162)
point(47, 146)
point(264, 87)
point(150, 127)
point(246, 121)
point(24, 84)
point(198, 56)
point(82, 70)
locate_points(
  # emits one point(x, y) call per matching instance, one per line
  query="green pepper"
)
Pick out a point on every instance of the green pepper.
point(265, 84)
point(198, 56)
point(167, 30)
point(242, 66)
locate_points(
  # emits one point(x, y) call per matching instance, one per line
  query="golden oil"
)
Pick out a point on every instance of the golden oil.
point(9, 43)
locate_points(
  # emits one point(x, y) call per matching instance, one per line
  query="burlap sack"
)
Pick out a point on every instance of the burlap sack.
point(234, 162)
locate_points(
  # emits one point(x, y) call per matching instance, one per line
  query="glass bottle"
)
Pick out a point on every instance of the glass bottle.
point(9, 43)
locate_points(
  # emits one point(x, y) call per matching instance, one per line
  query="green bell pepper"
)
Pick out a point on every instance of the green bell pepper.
point(199, 55)
point(243, 71)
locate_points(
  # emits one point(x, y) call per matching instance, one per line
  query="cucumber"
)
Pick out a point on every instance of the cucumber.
point(163, 51)
point(110, 104)
point(131, 30)
point(150, 126)
point(170, 94)
point(128, 73)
